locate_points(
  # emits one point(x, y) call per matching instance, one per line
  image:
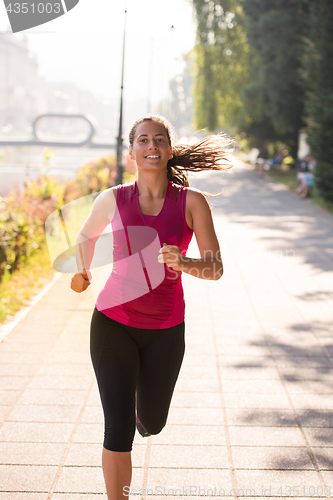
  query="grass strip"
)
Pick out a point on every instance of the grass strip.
point(18, 288)
point(289, 178)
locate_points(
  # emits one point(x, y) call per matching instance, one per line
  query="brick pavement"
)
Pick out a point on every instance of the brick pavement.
point(252, 411)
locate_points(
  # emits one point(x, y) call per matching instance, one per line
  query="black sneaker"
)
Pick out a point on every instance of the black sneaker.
point(141, 429)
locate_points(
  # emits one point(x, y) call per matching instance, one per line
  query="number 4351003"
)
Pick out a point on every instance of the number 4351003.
point(34, 8)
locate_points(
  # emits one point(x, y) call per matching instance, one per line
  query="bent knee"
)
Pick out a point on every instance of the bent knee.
point(154, 427)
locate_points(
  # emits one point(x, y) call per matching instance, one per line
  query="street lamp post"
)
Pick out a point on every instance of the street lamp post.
point(150, 74)
point(119, 178)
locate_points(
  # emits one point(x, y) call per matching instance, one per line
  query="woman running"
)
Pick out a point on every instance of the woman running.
point(137, 327)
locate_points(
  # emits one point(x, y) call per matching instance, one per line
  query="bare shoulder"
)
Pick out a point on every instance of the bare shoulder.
point(105, 203)
point(109, 193)
point(196, 200)
point(107, 196)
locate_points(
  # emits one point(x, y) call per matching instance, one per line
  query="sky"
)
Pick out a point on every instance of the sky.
point(85, 45)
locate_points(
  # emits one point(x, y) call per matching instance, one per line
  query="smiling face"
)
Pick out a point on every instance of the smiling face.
point(151, 148)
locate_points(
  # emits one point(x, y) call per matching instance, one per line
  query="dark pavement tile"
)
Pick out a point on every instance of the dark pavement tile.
point(245, 362)
point(265, 436)
point(309, 386)
point(319, 362)
point(315, 418)
point(324, 458)
point(274, 483)
point(261, 417)
point(312, 401)
point(274, 457)
point(319, 436)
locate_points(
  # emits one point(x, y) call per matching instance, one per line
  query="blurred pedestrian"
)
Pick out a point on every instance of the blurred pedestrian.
point(305, 176)
point(277, 160)
point(262, 158)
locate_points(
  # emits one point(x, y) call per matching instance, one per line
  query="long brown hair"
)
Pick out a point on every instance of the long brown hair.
point(207, 154)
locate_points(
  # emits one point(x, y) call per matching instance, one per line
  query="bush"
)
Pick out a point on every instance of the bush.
point(324, 180)
point(91, 178)
point(22, 216)
point(22, 220)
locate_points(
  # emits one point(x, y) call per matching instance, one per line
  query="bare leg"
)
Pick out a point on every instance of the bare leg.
point(304, 192)
point(117, 470)
point(303, 189)
point(261, 164)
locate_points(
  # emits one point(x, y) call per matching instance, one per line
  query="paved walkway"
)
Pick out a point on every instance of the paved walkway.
point(252, 411)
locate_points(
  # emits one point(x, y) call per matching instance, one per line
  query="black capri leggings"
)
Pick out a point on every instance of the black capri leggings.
point(131, 362)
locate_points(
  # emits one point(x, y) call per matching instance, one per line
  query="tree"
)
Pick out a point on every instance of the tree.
point(275, 30)
point(181, 103)
point(249, 58)
point(318, 81)
point(225, 67)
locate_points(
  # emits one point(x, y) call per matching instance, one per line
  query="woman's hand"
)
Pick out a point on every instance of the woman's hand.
point(80, 282)
point(171, 256)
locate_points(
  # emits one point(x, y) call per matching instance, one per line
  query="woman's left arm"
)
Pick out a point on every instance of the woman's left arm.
point(209, 266)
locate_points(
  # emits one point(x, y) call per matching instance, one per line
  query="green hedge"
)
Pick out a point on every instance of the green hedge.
point(324, 180)
point(22, 215)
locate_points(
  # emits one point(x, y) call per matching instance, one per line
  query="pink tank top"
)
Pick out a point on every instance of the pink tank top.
point(140, 291)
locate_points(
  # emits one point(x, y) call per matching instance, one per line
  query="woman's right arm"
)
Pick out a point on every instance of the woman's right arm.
point(99, 218)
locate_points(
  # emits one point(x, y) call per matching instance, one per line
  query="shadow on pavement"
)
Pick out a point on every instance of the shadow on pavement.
point(286, 223)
